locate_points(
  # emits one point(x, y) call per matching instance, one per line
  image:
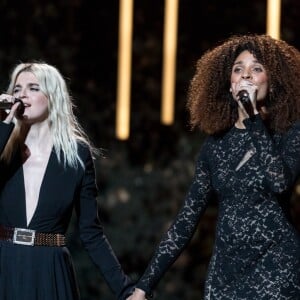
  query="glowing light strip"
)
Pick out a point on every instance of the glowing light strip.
point(169, 61)
point(273, 18)
point(124, 69)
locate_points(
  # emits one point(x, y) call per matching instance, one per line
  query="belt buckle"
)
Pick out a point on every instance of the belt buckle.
point(24, 236)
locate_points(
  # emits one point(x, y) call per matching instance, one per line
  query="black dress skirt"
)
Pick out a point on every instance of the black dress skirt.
point(38, 272)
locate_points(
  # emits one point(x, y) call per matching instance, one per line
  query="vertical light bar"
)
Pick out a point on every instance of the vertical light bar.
point(124, 69)
point(273, 18)
point(169, 61)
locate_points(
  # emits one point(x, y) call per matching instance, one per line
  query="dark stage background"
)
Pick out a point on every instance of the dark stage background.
point(142, 181)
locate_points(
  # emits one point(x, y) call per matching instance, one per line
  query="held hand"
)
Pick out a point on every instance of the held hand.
point(138, 294)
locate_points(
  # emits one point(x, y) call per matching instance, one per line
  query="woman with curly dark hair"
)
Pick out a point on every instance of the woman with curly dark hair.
point(245, 95)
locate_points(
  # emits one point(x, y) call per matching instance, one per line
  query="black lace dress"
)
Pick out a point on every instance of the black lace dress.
point(257, 250)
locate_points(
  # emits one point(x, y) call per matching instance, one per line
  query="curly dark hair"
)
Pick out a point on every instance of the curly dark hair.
point(210, 102)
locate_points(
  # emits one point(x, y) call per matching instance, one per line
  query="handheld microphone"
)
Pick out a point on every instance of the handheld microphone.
point(244, 97)
point(8, 105)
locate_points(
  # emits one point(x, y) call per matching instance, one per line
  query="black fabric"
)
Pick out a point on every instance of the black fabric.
point(47, 273)
point(257, 250)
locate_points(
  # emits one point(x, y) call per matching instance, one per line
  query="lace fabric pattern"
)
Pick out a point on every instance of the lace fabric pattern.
point(257, 250)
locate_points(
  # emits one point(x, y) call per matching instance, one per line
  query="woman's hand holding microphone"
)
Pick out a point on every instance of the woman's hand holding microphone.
point(245, 93)
point(13, 107)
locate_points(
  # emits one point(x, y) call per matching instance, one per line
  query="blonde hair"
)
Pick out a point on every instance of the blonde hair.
point(63, 124)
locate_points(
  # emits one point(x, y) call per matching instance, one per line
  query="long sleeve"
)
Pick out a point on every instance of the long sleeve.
point(5, 132)
point(281, 163)
point(93, 237)
point(181, 231)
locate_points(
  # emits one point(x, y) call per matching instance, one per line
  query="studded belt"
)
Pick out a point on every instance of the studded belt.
point(29, 237)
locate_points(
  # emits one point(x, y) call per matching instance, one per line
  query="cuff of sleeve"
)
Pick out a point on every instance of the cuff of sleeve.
point(7, 125)
point(5, 131)
point(252, 120)
point(149, 295)
point(127, 291)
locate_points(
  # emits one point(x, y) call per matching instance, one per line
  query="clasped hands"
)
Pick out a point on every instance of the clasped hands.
point(138, 294)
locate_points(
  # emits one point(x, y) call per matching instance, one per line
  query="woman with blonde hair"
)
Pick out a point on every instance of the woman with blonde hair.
point(47, 170)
